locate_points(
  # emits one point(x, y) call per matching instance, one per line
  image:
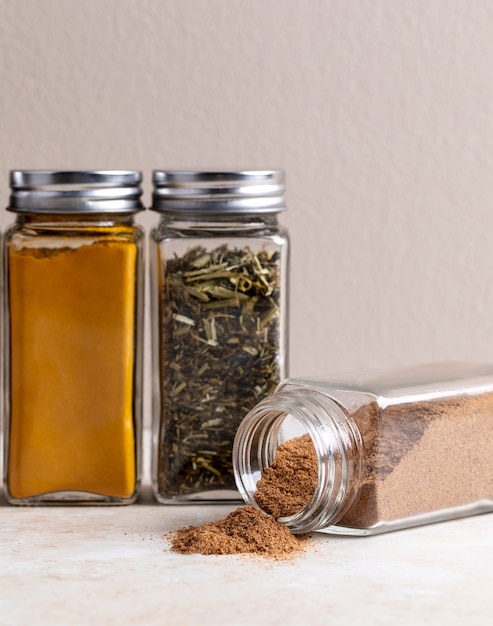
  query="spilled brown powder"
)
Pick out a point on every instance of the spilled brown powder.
point(244, 531)
point(284, 489)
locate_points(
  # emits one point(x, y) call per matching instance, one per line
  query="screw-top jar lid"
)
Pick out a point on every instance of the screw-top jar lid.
point(215, 192)
point(105, 191)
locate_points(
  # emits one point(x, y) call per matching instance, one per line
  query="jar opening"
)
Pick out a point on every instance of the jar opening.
point(288, 418)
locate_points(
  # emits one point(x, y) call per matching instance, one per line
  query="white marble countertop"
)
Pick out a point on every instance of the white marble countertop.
point(112, 565)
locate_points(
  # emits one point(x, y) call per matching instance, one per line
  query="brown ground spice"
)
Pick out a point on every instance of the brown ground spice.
point(284, 489)
point(244, 531)
point(423, 458)
point(288, 484)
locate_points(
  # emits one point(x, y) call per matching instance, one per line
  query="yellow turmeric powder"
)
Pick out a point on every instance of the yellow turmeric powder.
point(72, 330)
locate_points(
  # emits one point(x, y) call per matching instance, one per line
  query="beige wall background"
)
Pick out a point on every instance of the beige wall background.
point(380, 111)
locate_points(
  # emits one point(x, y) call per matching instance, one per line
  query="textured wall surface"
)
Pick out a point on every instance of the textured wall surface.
point(381, 112)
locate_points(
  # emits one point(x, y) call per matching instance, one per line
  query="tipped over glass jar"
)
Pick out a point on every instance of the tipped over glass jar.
point(392, 450)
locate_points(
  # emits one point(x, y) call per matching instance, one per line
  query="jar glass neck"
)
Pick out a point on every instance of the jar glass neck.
point(336, 440)
point(59, 220)
point(219, 220)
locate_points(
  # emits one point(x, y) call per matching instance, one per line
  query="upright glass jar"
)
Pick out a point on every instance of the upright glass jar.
point(393, 450)
point(219, 263)
point(73, 338)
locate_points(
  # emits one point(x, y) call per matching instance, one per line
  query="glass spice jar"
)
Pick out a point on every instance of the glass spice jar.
point(73, 338)
point(393, 450)
point(219, 262)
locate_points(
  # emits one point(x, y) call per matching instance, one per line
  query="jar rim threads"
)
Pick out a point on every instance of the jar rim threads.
point(338, 446)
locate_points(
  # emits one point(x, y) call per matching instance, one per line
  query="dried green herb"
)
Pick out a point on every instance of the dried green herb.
point(219, 357)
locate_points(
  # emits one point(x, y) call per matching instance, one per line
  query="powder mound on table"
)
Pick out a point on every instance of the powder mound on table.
point(288, 484)
point(244, 531)
point(284, 489)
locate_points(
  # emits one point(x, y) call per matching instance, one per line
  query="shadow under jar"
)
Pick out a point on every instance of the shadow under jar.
point(219, 263)
point(73, 368)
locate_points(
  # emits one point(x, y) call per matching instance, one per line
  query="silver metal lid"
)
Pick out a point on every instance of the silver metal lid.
point(216, 192)
point(105, 191)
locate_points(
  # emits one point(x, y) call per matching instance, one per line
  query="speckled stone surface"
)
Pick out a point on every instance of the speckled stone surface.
point(112, 565)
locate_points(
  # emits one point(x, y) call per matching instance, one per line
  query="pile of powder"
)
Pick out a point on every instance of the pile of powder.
point(244, 531)
point(284, 489)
